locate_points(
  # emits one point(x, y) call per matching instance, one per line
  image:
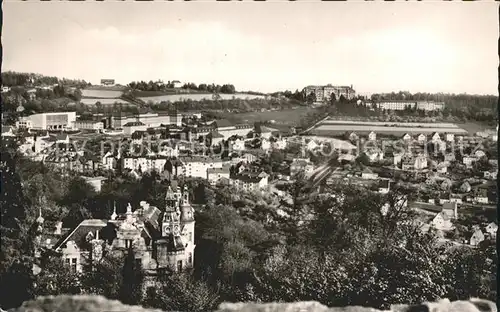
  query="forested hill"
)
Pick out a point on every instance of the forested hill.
point(13, 79)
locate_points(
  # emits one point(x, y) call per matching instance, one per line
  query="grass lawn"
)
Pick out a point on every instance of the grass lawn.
point(288, 117)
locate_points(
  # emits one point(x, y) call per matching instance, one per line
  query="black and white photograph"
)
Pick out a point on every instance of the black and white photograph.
point(300, 156)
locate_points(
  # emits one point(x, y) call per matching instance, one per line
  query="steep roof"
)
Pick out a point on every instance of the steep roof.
point(79, 234)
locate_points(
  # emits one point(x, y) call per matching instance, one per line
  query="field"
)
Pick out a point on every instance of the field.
point(196, 97)
point(97, 93)
point(335, 127)
point(104, 101)
point(288, 117)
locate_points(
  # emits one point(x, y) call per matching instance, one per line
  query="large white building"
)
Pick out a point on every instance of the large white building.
point(151, 120)
point(89, 125)
point(402, 105)
point(324, 93)
point(197, 166)
point(48, 121)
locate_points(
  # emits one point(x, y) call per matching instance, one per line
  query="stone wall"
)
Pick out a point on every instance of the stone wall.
point(66, 303)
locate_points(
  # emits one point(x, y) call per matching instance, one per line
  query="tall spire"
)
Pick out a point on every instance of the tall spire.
point(40, 218)
point(114, 215)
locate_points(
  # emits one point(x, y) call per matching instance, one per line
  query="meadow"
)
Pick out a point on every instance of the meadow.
point(104, 101)
point(197, 97)
point(288, 117)
point(96, 93)
point(335, 127)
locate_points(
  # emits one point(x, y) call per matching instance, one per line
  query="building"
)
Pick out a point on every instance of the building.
point(7, 132)
point(422, 138)
point(435, 137)
point(249, 181)
point(158, 239)
point(442, 222)
point(237, 145)
point(133, 126)
point(450, 210)
point(372, 136)
point(477, 237)
point(406, 137)
point(368, 174)
point(88, 125)
point(107, 82)
point(449, 137)
point(469, 161)
point(48, 121)
point(402, 105)
point(279, 143)
point(325, 93)
point(299, 165)
point(151, 120)
point(227, 129)
point(214, 175)
point(197, 166)
point(492, 229)
point(384, 186)
point(216, 138)
point(96, 182)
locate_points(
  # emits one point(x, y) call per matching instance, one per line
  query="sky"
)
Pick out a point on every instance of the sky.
point(449, 47)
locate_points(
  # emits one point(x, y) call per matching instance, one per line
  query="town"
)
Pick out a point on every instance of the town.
point(291, 158)
point(439, 173)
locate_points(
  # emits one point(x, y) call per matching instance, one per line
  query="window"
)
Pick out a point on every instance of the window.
point(128, 243)
point(190, 258)
point(179, 266)
point(73, 265)
point(138, 263)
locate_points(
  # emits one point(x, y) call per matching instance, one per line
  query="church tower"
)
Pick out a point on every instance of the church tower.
point(171, 217)
point(187, 224)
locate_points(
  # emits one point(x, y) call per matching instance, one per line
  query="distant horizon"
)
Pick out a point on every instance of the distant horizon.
point(448, 47)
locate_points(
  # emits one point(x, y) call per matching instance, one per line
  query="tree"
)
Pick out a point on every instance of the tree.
point(16, 277)
point(180, 292)
point(55, 277)
point(131, 287)
point(311, 98)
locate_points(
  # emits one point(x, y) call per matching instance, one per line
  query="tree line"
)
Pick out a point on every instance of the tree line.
point(12, 79)
point(161, 86)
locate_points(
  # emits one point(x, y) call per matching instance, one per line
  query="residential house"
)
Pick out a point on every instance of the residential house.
point(353, 137)
point(449, 157)
point(265, 132)
point(214, 175)
point(279, 143)
point(159, 239)
point(481, 196)
point(422, 138)
point(311, 145)
point(465, 187)
point(346, 158)
point(248, 158)
point(301, 165)
point(7, 131)
point(95, 182)
point(477, 237)
point(450, 209)
point(442, 222)
point(372, 136)
point(456, 198)
point(237, 145)
point(479, 153)
point(469, 161)
point(406, 137)
point(491, 229)
point(250, 181)
point(265, 144)
point(435, 137)
point(375, 155)
point(368, 174)
point(384, 186)
point(450, 137)
point(197, 166)
point(420, 162)
point(491, 175)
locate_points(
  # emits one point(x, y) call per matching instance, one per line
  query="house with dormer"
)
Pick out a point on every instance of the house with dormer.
point(159, 238)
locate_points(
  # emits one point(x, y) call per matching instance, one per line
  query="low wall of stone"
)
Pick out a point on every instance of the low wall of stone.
point(66, 303)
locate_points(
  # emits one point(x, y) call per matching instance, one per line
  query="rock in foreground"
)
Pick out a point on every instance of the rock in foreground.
point(66, 303)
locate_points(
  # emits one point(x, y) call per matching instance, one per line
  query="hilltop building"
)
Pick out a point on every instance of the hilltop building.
point(325, 93)
point(48, 121)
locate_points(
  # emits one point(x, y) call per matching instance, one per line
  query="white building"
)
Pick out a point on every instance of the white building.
point(477, 237)
point(265, 144)
point(468, 161)
point(214, 175)
point(442, 222)
point(48, 121)
point(237, 145)
point(89, 125)
point(280, 144)
point(435, 137)
point(492, 229)
point(133, 126)
point(197, 166)
point(372, 136)
point(406, 137)
point(421, 138)
point(250, 181)
point(96, 182)
point(450, 137)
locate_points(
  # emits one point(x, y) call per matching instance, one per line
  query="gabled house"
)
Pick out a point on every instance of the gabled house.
point(491, 229)
point(311, 145)
point(421, 138)
point(435, 137)
point(7, 131)
point(450, 137)
point(442, 222)
point(353, 137)
point(406, 137)
point(477, 237)
point(368, 174)
point(372, 136)
point(465, 187)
